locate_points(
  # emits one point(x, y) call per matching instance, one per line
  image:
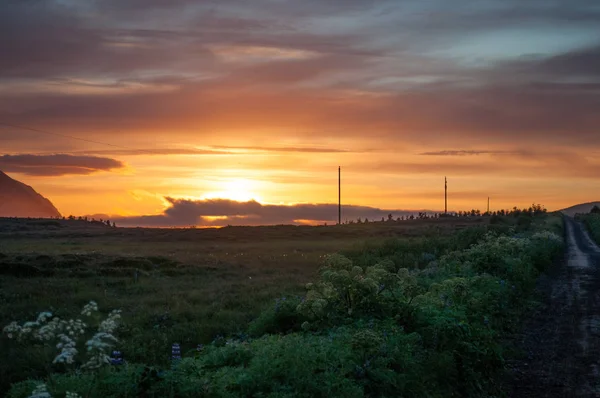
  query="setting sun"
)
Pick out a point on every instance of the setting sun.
point(238, 189)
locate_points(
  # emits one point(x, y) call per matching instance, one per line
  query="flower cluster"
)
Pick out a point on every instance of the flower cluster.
point(116, 358)
point(102, 342)
point(547, 235)
point(47, 328)
point(175, 352)
point(89, 308)
point(41, 391)
point(67, 350)
point(15, 330)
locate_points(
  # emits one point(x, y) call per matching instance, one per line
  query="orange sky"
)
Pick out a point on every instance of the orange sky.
point(401, 179)
point(264, 100)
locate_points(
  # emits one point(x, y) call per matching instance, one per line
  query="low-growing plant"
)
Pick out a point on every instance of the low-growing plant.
point(346, 291)
point(592, 222)
point(281, 317)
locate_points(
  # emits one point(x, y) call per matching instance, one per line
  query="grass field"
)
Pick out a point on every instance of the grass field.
point(192, 285)
point(592, 222)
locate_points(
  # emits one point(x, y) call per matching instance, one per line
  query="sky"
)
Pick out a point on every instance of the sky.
point(240, 112)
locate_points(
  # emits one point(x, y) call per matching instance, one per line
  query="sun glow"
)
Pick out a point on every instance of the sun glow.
point(238, 189)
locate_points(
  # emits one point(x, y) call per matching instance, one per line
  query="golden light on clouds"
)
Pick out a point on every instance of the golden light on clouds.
point(382, 178)
point(264, 100)
point(259, 53)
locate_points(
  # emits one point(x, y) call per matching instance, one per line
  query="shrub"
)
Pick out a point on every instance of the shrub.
point(592, 221)
point(281, 317)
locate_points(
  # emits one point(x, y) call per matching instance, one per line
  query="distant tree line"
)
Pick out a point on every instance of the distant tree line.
point(533, 210)
point(89, 220)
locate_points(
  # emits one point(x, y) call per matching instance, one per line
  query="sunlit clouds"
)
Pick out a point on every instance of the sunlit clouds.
point(262, 101)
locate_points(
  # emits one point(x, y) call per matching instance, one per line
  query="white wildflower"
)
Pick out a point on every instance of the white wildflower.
point(89, 308)
point(547, 235)
point(13, 329)
point(41, 391)
point(101, 343)
point(47, 328)
point(72, 395)
point(111, 323)
point(43, 317)
point(68, 350)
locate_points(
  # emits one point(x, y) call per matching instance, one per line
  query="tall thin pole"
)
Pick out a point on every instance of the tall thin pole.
point(339, 194)
point(445, 195)
point(488, 205)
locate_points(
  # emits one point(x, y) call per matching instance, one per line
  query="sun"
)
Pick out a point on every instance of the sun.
point(238, 189)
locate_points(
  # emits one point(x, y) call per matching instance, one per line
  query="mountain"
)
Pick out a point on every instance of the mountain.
point(20, 200)
point(580, 208)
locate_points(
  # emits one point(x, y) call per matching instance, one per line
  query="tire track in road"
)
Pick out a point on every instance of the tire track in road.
point(563, 338)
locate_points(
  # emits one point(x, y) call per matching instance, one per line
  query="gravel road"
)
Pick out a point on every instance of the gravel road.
point(562, 339)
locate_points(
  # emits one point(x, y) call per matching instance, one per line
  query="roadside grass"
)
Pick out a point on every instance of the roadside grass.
point(173, 285)
point(592, 222)
point(191, 286)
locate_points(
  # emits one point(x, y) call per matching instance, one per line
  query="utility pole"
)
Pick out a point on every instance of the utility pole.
point(445, 196)
point(488, 211)
point(339, 195)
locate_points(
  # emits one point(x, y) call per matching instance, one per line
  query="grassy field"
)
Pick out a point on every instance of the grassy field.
point(248, 284)
point(592, 222)
point(183, 285)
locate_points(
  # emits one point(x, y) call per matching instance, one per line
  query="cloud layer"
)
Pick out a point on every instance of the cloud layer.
point(419, 72)
point(57, 165)
point(222, 212)
point(267, 98)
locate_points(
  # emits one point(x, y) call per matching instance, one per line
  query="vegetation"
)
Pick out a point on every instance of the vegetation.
point(402, 316)
point(592, 222)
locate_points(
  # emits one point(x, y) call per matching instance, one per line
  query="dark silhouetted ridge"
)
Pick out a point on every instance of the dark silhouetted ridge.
point(20, 200)
point(580, 208)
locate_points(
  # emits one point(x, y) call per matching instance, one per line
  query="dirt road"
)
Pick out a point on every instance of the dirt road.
point(562, 339)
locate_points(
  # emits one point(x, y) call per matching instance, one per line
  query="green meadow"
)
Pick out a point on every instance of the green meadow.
point(414, 308)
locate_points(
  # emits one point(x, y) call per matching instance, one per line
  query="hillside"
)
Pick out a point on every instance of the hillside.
point(20, 200)
point(580, 208)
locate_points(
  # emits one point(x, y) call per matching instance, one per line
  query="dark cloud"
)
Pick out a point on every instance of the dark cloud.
point(156, 151)
point(294, 71)
point(528, 114)
point(371, 70)
point(578, 70)
point(181, 213)
point(466, 152)
point(582, 63)
point(215, 150)
point(283, 149)
point(525, 164)
point(57, 165)
point(50, 40)
point(466, 16)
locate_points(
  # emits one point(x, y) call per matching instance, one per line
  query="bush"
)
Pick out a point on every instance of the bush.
point(592, 222)
point(282, 317)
